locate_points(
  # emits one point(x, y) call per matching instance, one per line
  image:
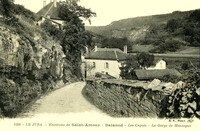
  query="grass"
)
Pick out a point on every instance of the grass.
point(142, 48)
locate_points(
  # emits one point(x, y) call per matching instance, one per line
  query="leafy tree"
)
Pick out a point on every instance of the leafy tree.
point(185, 66)
point(195, 16)
point(20, 10)
point(6, 7)
point(172, 25)
point(73, 37)
point(145, 59)
point(52, 30)
point(128, 67)
point(156, 35)
point(116, 43)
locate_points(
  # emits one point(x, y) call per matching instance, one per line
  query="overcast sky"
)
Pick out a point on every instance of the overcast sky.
point(112, 10)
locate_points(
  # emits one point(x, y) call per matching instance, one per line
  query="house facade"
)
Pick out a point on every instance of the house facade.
point(105, 61)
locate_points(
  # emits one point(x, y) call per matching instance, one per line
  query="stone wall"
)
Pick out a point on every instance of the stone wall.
point(123, 99)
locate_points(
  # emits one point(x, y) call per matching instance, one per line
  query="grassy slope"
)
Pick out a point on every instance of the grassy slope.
point(138, 23)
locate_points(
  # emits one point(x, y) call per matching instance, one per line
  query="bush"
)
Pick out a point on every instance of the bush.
point(14, 96)
point(170, 78)
point(185, 102)
point(185, 66)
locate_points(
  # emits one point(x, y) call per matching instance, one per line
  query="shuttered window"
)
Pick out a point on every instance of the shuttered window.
point(106, 65)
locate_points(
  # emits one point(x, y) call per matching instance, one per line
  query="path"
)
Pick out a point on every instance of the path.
point(68, 99)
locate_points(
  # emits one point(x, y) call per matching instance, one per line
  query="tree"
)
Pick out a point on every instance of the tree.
point(145, 59)
point(52, 30)
point(6, 7)
point(128, 67)
point(195, 16)
point(116, 43)
point(172, 25)
point(74, 38)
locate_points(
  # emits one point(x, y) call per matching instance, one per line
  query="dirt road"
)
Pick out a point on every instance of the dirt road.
point(68, 99)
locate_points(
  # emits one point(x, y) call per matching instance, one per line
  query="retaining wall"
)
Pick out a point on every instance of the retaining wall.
point(122, 99)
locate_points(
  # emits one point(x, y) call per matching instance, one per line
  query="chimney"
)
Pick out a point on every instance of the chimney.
point(125, 49)
point(86, 50)
point(95, 48)
point(55, 3)
point(44, 3)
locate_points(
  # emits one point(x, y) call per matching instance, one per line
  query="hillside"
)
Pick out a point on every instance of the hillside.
point(133, 25)
point(154, 30)
point(31, 62)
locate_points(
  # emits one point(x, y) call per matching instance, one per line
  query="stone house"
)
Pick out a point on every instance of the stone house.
point(105, 60)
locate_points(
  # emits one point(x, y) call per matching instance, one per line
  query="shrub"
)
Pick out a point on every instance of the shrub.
point(185, 102)
point(185, 66)
point(170, 78)
point(14, 96)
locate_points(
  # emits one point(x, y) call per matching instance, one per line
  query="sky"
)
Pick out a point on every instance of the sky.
point(113, 10)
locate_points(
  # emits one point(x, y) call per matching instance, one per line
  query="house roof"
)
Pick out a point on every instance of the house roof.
point(152, 74)
point(107, 54)
point(49, 10)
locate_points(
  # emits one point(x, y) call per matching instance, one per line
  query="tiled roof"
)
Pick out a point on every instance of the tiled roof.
point(107, 54)
point(49, 10)
point(152, 74)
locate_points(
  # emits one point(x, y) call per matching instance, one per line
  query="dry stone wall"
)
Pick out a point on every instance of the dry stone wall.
point(125, 100)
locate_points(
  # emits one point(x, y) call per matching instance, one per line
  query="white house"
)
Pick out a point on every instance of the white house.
point(105, 61)
point(160, 65)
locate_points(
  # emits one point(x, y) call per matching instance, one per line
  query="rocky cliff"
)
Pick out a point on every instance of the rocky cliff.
point(38, 56)
point(31, 63)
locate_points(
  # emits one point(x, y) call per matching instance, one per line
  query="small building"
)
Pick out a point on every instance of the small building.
point(159, 65)
point(156, 74)
point(50, 12)
point(105, 61)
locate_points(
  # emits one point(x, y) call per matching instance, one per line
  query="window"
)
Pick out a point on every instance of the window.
point(94, 64)
point(106, 65)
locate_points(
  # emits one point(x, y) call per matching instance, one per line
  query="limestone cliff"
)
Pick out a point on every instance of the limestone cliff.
point(45, 56)
point(31, 63)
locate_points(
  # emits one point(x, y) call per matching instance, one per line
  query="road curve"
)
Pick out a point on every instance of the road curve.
point(68, 99)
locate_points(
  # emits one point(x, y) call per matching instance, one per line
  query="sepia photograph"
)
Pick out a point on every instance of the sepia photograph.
point(99, 65)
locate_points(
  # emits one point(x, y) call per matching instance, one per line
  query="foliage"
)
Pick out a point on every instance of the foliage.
point(73, 37)
point(145, 59)
point(193, 77)
point(52, 30)
point(6, 7)
point(20, 10)
point(181, 27)
point(116, 43)
point(156, 35)
point(184, 102)
point(185, 66)
point(14, 95)
point(169, 45)
point(172, 25)
point(170, 78)
point(128, 67)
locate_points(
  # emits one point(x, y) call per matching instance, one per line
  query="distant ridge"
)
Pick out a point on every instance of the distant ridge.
point(136, 22)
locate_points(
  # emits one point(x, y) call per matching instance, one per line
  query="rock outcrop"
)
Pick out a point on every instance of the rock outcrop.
point(30, 65)
point(40, 57)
